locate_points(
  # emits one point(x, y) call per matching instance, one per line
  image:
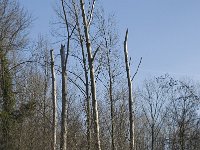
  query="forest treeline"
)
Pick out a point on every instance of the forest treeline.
point(80, 96)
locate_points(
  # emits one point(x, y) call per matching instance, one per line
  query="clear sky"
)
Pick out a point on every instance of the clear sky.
point(166, 33)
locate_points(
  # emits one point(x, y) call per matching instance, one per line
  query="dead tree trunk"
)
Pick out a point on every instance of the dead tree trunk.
point(54, 101)
point(63, 136)
point(130, 93)
point(92, 77)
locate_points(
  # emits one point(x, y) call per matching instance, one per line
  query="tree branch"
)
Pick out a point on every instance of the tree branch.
point(137, 69)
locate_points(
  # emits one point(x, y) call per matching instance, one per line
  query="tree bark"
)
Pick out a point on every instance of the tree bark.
point(54, 101)
point(92, 78)
point(63, 138)
point(130, 93)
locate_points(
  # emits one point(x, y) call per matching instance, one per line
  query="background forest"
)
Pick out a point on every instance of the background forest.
point(80, 96)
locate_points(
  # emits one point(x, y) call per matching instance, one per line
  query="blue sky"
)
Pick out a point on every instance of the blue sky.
point(166, 33)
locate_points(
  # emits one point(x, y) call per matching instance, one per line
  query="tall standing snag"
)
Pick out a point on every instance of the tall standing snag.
point(64, 60)
point(86, 24)
point(130, 93)
point(63, 136)
point(54, 100)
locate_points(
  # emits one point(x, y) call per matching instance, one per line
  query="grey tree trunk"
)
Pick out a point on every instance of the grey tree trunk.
point(54, 101)
point(63, 136)
point(92, 77)
point(130, 93)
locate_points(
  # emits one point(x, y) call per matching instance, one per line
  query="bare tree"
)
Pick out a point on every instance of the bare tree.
point(131, 128)
point(64, 60)
point(110, 60)
point(183, 117)
point(63, 137)
point(54, 100)
point(86, 24)
point(85, 68)
point(154, 101)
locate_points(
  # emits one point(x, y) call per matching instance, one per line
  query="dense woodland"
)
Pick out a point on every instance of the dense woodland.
point(80, 96)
